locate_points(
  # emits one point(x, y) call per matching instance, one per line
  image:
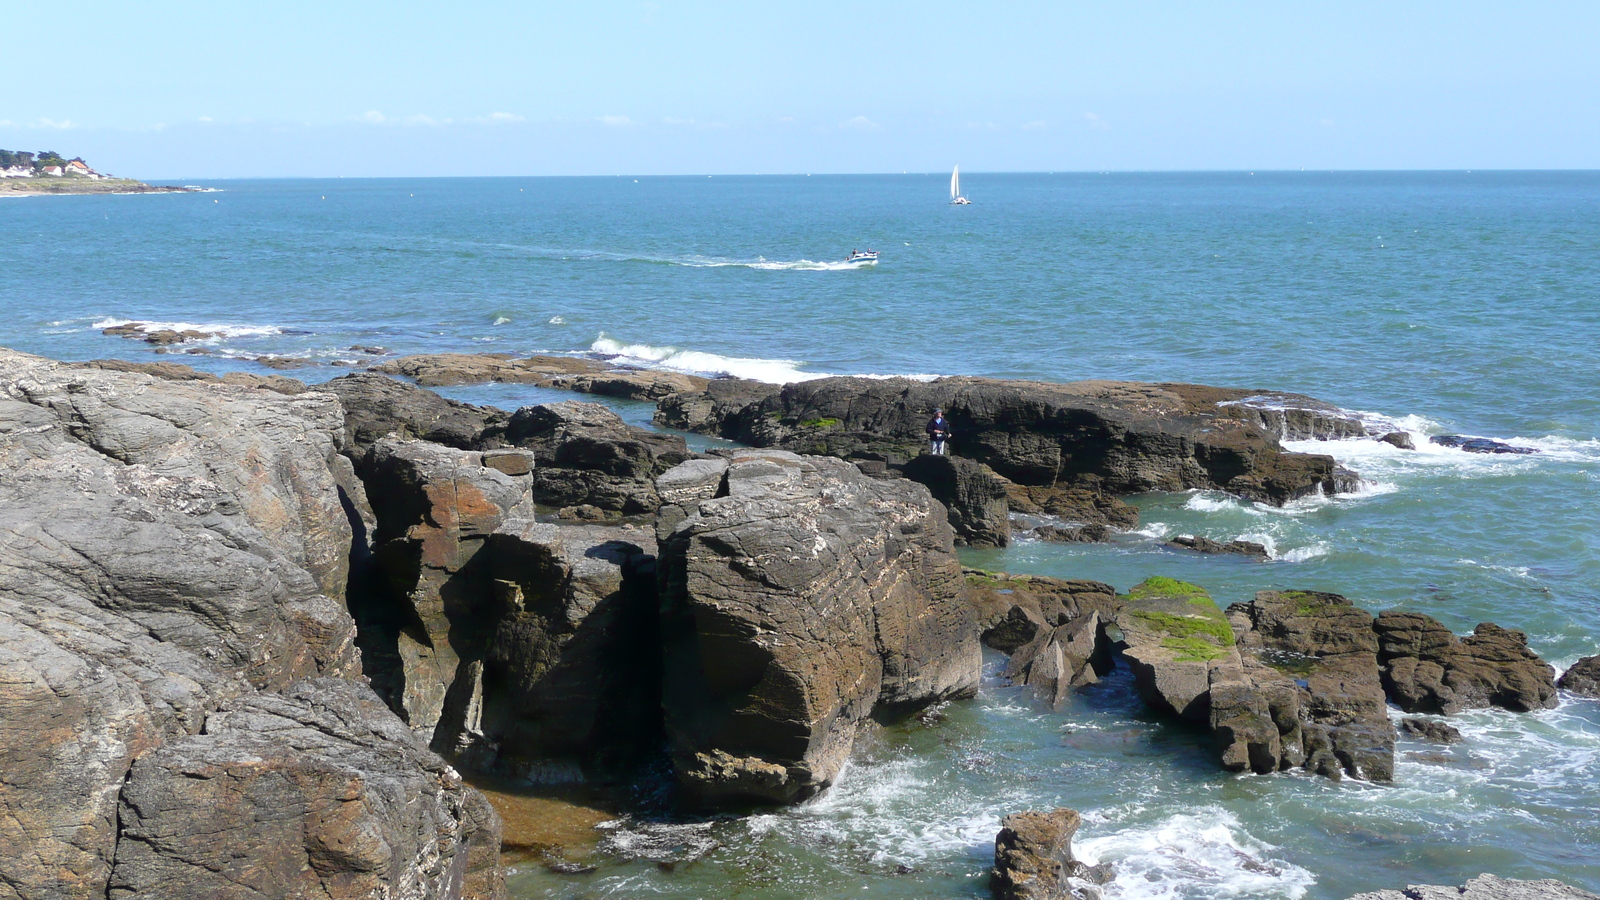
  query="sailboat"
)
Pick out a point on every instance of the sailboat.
point(955, 188)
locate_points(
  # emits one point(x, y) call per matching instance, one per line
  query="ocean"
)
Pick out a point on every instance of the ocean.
point(1449, 302)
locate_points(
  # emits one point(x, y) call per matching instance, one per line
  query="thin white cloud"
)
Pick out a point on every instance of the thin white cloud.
point(505, 117)
point(860, 123)
point(1035, 125)
point(1095, 122)
point(62, 125)
point(671, 121)
point(615, 121)
point(375, 117)
point(207, 119)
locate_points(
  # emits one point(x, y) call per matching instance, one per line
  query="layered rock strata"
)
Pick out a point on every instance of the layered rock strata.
point(589, 456)
point(799, 600)
point(171, 550)
point(1013, 610)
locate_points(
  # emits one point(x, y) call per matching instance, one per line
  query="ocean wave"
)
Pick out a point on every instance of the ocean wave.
point(222, 330)
point(697, 362)
point(1205, 854)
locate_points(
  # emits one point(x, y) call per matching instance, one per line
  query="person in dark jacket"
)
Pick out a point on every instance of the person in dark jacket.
point(938, 433)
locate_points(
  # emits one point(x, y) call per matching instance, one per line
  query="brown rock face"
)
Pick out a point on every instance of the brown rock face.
point(1015, 609)
point(1119, 437)
point(436, 508)
point(377, 406)
point(337, 796)
point(1033, 857)
point(803, 599)
point(1426, 668)
point(973, 494)
point(589, 456)
point(1583, 679)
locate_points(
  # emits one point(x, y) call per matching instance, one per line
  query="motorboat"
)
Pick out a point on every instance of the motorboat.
point(863, 257)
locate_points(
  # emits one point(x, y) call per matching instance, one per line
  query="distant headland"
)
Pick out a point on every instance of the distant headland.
point(47, 172)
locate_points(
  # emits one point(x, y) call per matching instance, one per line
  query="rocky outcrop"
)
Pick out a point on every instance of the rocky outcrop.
point(1427, 669)
point(331, 791)
point(1174, 637)
point(1033, 858)
point(377, 406)
point(432, 610)
point(1431, 730)
point(1583, 679)
point(1062, 658)
point(1486, 887)
point(569, 373)
point(972, 493)
point(1071, 534)
point(589, 456)
point(570, 679)
point(1014, 610)
point(801, 600)
point(168, 549)
point(1118, 437)
point(1323, 645)
point(1201, 544)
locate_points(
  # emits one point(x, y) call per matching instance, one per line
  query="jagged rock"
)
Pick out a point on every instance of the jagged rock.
point(1478, 445)
point(1173, 637)
point(436, 507)
point(333, 793)
point(583, 375)
point(1398, 439)
point(1013, 610)
point(973, 494)
point(376, 406)
point(1431, 730)
point(1486, 887)
point(1427, 669)
point(1116, 437)
point(1326, 646)
point(1060, 659)
point(1033, 857)
point(571, 671)
point(1207, 545)
point(588, 455)
point(1583, 678)
point(802, 600)
point(167, 547)
point(1072, 534)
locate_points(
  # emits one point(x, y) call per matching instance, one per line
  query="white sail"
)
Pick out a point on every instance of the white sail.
point(955, 182)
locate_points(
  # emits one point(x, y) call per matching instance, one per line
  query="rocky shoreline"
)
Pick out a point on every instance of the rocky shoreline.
point(295, 613)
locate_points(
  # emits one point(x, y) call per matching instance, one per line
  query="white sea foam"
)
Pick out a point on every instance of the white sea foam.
point(557, 320)
point(769, 265)
point(223, 331)
point(501, 320)
point(772, 371)
point(1205, 854)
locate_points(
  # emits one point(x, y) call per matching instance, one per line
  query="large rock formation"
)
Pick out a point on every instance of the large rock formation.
point(1013, 610)
point(799, 601)
point(974, 495)
point(377, 406)
point(589, 456)
point(1486, 887)
point(1115, 437)
point(1426, 668)
point(1033, 858)
point(435, 507)
point(168, 549)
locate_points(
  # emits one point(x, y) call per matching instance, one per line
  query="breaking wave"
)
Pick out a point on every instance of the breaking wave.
point(697, 362)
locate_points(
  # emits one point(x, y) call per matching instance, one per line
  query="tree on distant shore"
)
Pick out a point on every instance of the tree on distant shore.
point(35, 161)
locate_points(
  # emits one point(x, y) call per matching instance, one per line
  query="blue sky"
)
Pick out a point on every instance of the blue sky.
point(196, 90)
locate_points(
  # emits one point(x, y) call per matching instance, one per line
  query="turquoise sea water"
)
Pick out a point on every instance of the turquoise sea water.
point(1442, 302)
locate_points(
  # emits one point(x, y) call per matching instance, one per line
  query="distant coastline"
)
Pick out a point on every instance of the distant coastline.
point(46, 172)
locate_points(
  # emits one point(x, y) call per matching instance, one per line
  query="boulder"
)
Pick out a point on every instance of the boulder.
point(804, 599)
point(377, 406)
point(1583, 679)
point(1013, 610)
point(1399, 439)
point(1478, 445)
point(973, 495)
point(1072, 534)
point(1427, 669)
point(1326, 647)
point(1033, 857)
point(1486, 887)
point(1115, 437)
point(1201, 544)
point(1060, 659)
point(1431, 730)
point(432, 608)
point(334, 794)
point(588, 455)
point(570, 678)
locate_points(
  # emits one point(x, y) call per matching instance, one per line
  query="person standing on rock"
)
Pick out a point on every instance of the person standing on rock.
point(938, 433)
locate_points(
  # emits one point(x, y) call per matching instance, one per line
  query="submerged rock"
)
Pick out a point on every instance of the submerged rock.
point(1583, 679)
point(1033, 858)
point(1207, 545)
point(1398, 439)
point(1478, 445)
point(1431, 730)
point(803, 599)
